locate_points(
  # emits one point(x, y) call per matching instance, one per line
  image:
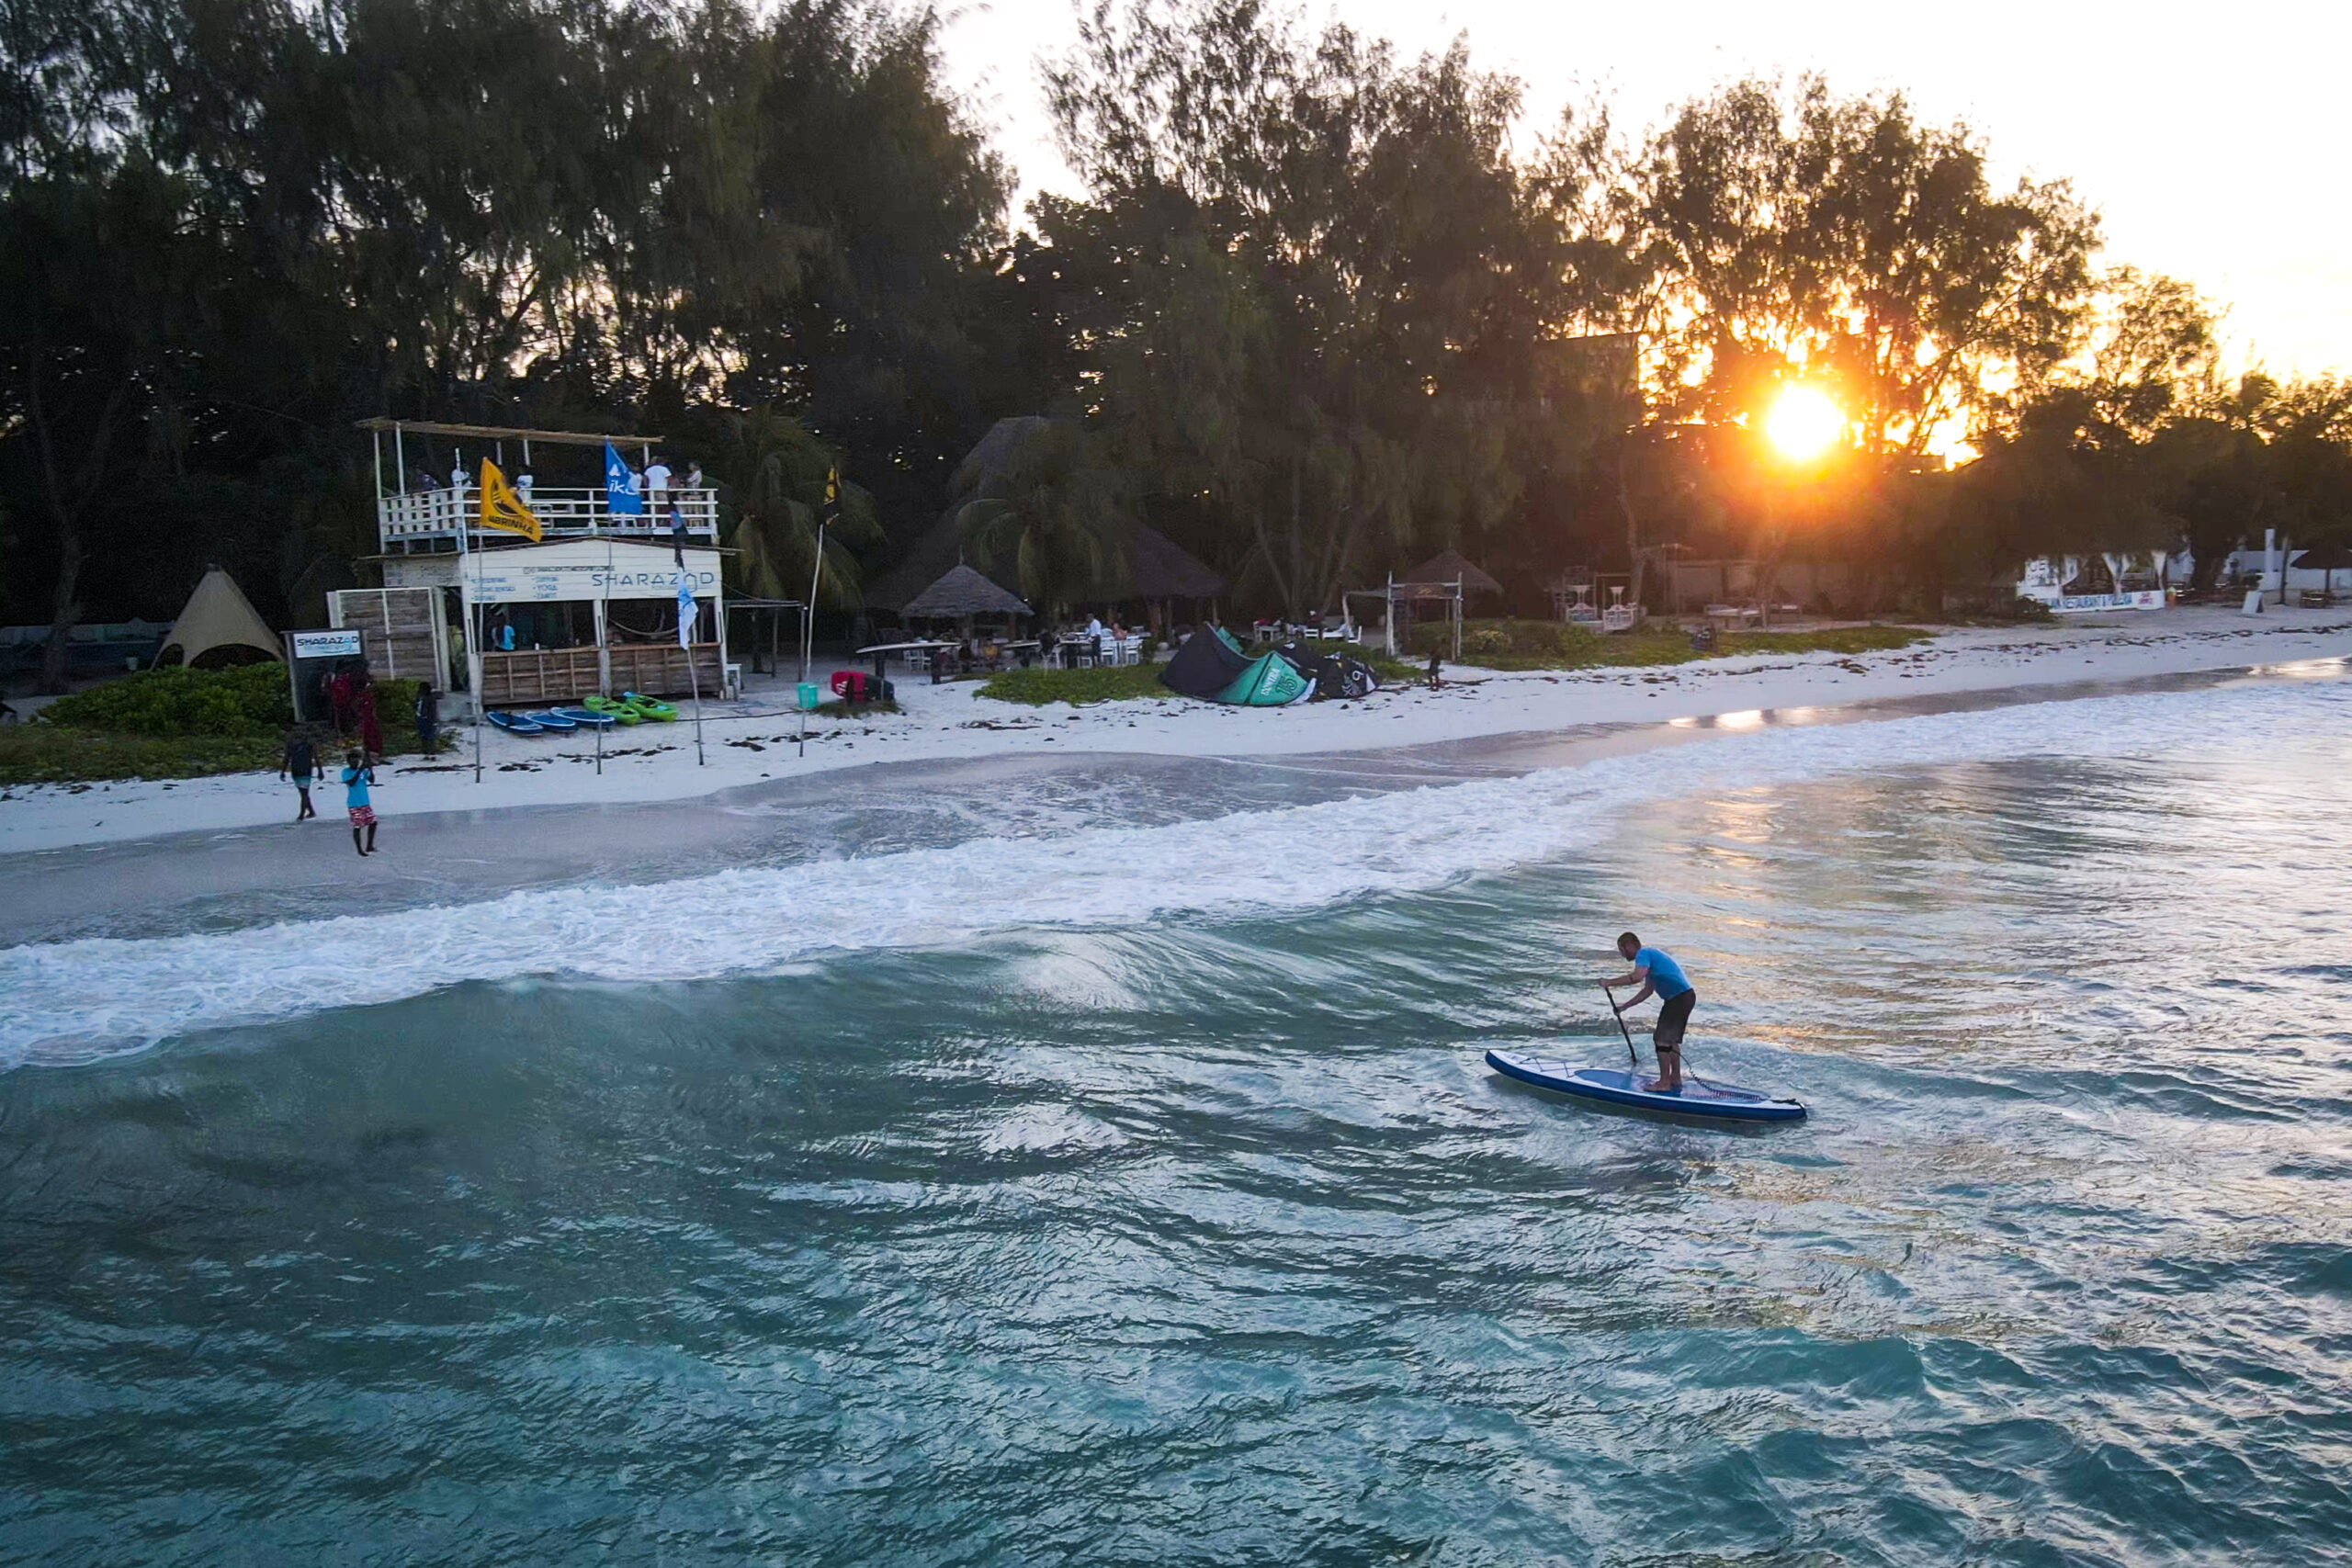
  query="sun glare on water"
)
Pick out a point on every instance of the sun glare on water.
point(1804, 422)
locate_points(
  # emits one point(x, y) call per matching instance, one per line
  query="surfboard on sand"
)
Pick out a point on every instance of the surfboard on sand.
point(1616, 1085)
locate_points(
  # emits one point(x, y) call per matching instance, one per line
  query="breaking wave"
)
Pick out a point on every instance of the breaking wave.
point(97, 997)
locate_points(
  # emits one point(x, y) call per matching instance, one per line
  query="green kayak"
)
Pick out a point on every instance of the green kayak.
point(614, 709)
point(649, 707)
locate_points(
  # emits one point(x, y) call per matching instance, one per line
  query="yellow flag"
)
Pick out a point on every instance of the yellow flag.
point(502, 508)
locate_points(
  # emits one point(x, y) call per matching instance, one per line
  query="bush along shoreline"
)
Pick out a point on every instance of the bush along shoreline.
point(181, 724)
point(1563, 645)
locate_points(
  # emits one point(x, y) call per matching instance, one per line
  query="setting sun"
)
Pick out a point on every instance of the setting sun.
point(1804, 422)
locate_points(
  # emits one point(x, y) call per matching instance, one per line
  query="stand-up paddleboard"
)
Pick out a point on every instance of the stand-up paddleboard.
point(1615, 1086)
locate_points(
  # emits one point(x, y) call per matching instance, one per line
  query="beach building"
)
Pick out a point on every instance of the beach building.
point(2106, 579)
point(2321, 573)
point(592, 605)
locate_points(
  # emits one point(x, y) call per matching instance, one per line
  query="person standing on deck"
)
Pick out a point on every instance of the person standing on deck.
point(657, 485)
point(1654, 970)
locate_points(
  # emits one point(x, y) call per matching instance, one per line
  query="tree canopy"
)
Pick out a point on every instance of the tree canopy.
point(1317, 309)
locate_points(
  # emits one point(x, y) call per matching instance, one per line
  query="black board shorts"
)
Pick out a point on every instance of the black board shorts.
point(1672, 1017)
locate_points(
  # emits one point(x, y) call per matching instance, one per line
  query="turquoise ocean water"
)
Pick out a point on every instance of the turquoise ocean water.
point(1136, 1194)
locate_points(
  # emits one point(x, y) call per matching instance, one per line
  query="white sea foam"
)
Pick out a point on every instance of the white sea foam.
point(93, 996)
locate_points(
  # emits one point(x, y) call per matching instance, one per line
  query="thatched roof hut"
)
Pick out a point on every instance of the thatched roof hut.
point(939, 548)
point(1448, 566)
point(1139, 564)
point(1166, 569)
point(962, 592)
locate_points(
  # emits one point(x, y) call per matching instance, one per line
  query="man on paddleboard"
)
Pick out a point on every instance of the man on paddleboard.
point(1654, 970)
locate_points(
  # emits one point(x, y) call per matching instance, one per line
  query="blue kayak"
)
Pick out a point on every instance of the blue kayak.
point(515, 723)
point(1616, 1085)
point(547, 719)
point(586, 719)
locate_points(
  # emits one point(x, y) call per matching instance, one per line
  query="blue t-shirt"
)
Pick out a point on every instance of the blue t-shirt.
point(1665, 974)
point(354, 787)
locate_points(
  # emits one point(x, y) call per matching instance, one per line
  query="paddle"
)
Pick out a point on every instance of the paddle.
point(1631, 1055)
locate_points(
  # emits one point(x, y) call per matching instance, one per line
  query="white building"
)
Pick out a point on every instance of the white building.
point(592, 607)
point(2105, 580)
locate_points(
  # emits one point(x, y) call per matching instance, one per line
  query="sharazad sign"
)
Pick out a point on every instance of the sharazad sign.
point(326, 645)
point(586, 571)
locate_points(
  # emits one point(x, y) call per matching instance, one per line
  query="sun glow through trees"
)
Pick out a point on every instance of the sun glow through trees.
point(1803, 423)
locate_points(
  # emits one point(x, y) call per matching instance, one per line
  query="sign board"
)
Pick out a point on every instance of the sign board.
point(326, 645)
point(2088, 603)
point(310, 658)
point(586, 571)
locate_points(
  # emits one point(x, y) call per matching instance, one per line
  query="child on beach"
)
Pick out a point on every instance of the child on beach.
point(1435, 679)
point(357, 777)
point(301, 764)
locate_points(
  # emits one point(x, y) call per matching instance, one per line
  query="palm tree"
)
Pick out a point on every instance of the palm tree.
point(774, 473)
point(1048, 504)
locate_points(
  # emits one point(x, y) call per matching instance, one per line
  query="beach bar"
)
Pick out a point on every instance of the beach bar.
point(2103, 580)
point(590, 608)
point(592, 615)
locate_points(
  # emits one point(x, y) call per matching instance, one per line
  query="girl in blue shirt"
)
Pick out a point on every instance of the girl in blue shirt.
point(357, 777)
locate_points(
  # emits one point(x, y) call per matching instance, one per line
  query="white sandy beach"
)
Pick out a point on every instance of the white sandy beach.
point(751, 740)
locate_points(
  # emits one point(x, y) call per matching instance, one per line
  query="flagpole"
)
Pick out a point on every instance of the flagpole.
point(809, 615)
point(480, 677)
point(514, 517)
point(475, 673)
point(690, 612)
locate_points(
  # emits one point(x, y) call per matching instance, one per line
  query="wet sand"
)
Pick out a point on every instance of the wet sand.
point(234, 877)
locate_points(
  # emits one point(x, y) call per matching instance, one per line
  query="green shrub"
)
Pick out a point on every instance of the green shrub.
point(182, 723)
point(251, 701)
point(1037, 685)
point(1484, 641)
point(43, 753)
point(1565, 645)
point(1544, 642)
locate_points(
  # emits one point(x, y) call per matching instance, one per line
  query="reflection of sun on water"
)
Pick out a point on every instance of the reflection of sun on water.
point(1804, 422)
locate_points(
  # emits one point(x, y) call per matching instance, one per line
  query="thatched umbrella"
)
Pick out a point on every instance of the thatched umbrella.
point(2331, 560)
point(1448, 566)
point(961, 596)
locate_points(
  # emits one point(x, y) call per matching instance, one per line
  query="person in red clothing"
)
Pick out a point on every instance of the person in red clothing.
point(339, 695)
point(371, 731)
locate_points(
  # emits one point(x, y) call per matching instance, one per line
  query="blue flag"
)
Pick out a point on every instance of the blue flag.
point(685, 612)
point(624, 494)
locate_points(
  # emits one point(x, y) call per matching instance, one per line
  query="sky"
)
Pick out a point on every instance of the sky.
point(2203, 135)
